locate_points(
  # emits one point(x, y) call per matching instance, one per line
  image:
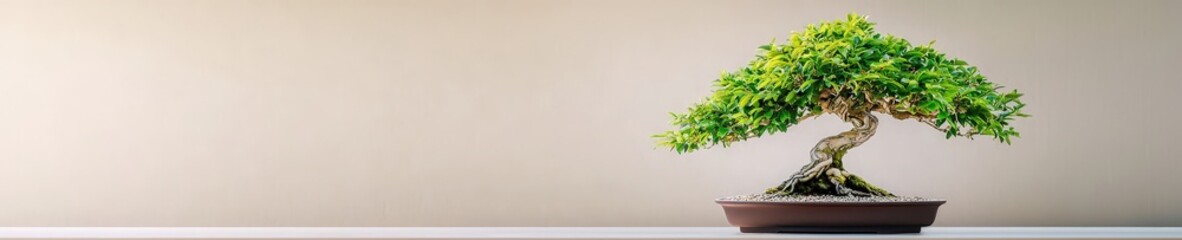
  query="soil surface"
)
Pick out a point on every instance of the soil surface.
point(823, 198)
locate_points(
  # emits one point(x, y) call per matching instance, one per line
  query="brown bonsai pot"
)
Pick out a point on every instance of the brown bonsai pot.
point(830, 217)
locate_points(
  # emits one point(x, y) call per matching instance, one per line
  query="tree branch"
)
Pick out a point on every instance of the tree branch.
point(969, 134)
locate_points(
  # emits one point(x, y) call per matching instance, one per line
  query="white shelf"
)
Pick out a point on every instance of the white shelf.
point(570, 233)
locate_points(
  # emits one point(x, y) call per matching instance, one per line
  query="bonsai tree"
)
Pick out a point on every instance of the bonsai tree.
point(847, 69)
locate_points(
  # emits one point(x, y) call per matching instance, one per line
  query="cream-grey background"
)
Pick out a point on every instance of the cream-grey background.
point(537, 113)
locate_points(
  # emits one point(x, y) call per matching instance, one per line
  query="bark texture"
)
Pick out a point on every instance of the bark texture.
point(825, 175)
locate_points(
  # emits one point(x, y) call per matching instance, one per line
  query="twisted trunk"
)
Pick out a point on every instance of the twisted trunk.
point(825, 175)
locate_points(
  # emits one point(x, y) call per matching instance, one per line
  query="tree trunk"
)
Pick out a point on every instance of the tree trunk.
point(825, 175)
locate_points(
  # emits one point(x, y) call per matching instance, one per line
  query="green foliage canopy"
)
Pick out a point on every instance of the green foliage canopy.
point(845, 67)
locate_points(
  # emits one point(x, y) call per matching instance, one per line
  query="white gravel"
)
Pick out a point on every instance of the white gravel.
point(822, 198)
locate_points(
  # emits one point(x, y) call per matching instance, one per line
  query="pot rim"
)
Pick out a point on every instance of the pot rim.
point(868, 204)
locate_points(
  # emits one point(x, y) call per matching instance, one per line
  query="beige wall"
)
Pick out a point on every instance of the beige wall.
point(537, 113)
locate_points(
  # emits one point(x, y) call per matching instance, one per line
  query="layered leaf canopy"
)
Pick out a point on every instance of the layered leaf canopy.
point(845, 63)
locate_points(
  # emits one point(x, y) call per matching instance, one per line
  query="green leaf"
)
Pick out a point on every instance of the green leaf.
point(807, 84)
